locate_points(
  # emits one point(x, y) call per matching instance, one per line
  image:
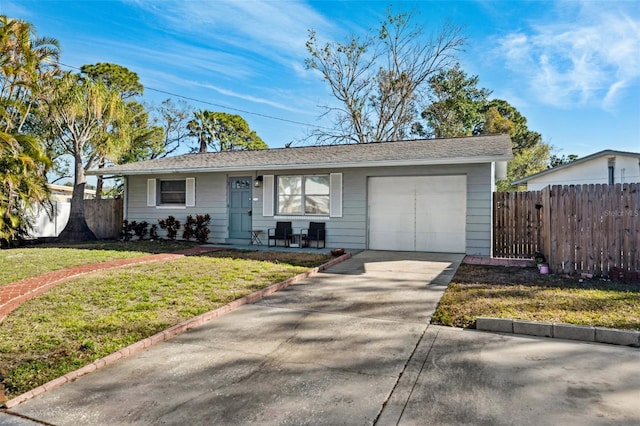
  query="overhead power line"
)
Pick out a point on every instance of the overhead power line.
point(270, 117)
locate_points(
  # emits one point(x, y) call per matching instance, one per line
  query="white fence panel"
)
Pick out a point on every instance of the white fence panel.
point(45, 226)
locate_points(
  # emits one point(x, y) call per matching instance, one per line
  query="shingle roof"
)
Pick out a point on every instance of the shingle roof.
point(472, 149)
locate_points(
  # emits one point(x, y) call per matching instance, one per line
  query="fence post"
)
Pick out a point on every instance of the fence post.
point(545, 223)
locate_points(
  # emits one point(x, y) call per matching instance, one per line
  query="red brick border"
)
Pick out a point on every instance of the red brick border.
point(495, 261)
point(169, 333)
point(16, 293)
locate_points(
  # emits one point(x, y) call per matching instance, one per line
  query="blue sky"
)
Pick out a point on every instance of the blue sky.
point(571, 67)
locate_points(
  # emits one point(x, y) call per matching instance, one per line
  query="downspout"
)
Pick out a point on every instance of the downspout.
point(125, 203)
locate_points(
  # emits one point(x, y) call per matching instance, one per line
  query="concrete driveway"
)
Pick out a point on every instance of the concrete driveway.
point(352, 346)
point(326, 351)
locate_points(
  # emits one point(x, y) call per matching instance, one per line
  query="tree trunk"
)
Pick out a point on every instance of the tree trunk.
point(77, 228)
point(100, 182)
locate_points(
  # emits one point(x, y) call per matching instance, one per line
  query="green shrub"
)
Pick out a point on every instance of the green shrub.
point(197, 228)
point(171, 225)
point(202, 227)
point(153, 232)
point(140, 229)
point(127, 230)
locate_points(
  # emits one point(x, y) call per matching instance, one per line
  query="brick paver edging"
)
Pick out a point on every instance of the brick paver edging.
point(16, 293)
point(498, 261)
point(169, 333)
point(560, 331)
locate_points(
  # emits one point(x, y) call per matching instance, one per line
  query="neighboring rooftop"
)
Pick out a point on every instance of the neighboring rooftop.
point(472, 149)
point(605, 153)
point(63, 193)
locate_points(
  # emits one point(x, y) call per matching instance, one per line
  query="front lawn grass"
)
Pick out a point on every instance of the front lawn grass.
point(523, 293)
point(26, 262)
point(92, 316)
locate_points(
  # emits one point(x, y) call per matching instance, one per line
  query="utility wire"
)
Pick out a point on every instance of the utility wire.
point(270, 117)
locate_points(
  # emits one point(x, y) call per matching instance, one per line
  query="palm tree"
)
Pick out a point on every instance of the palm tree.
point(23, 167)
point(202, 128)
point(223, 132)
point(26, 64)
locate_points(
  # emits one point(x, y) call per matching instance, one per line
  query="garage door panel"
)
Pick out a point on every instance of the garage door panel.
point(441, 242)
point(418, 213)
point(391, 240)
point(392, 221)
point(394, 239)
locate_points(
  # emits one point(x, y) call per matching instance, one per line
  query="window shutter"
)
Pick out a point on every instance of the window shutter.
point(190, 192)
point(335, 193)
point(151, 192)
point(267, 195)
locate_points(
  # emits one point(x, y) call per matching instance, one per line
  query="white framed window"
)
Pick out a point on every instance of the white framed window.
point(303, 195)
point(171, 192)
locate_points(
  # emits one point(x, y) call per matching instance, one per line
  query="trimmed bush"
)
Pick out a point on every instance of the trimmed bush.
point(171, 226)
point(197, 228)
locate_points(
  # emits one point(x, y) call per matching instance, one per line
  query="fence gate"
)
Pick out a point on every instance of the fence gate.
point(517, 224)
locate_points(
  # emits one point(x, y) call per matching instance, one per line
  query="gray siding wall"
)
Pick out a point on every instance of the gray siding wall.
point(211, 197)
point(348, 231)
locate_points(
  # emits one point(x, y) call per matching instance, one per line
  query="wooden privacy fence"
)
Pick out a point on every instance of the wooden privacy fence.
point(588, 228)
point(104, 217)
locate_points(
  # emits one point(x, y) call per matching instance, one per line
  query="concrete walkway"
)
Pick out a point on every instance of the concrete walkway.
point(352, 346)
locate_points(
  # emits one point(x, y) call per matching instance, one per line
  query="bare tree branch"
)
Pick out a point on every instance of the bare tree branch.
point(379, 80)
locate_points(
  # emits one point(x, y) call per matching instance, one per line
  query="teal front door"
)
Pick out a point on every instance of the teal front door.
point(240, 203)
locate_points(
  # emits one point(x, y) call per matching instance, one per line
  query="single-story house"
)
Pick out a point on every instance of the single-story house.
point(604, 167)
point(415, 195)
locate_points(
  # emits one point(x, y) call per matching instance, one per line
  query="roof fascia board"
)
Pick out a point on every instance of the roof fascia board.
point(426, 162)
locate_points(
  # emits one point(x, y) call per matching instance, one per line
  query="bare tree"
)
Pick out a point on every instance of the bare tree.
point(173, 118)
point(380, 80)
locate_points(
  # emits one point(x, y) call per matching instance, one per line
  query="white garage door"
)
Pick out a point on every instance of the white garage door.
point(418, 213)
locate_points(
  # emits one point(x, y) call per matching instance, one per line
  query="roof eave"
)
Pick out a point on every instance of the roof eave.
point(349, 165)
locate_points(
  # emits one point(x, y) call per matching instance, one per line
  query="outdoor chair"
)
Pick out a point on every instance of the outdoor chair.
point(282, 231)
point(315, 232)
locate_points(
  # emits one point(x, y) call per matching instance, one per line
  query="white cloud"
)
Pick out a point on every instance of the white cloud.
point(254, 99)
point(12, 9)
point(275, 30)
point(591, 58)
point(246, 50)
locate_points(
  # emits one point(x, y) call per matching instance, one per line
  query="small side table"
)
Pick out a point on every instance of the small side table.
point(255, 237)
point(296, 240)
